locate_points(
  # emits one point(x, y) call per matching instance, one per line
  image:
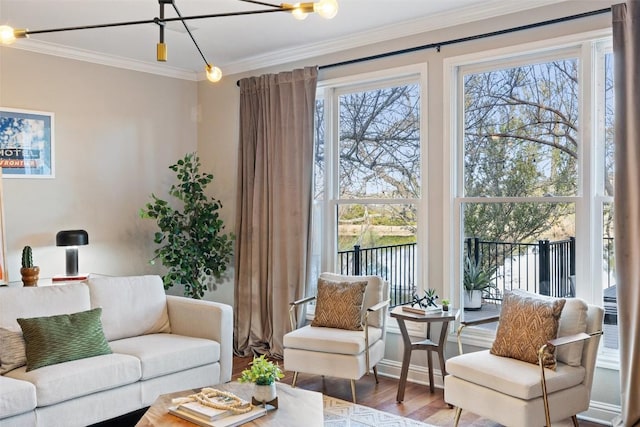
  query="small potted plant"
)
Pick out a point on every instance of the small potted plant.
point(445, 305)
point(476, 280)
point(264, 374)
point(28, 271)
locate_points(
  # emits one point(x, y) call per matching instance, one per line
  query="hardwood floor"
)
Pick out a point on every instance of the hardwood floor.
point(419, 404)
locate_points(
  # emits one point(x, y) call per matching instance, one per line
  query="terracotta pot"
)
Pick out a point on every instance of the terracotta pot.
point(30, 275)
point(264, 393)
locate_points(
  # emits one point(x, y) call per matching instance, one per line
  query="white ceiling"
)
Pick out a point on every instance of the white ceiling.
point(237, 43)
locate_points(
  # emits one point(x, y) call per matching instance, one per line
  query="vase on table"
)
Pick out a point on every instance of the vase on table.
point(264, 393)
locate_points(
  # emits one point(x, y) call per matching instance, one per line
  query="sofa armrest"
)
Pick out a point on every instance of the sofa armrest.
point(204, 319)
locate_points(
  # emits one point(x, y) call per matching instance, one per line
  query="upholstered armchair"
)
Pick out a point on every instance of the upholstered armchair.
point(521, 381)
point(346, 338)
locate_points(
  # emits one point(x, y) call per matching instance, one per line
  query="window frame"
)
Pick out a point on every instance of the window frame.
point(330, 90)
point(589, 49)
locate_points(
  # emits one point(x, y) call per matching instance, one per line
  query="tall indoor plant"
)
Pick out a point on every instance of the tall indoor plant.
point(194, 246)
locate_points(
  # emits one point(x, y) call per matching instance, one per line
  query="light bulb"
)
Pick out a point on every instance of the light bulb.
point(214, 74)
point(326, 8)
point(7, 35)
point(298, 13)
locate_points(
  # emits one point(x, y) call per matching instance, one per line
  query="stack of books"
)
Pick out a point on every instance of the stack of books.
point(207, 416)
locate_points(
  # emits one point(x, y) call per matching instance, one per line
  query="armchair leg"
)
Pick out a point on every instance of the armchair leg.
point(295, 378)
point(574, 418)
point(456, 418)
point(353, 390)
point(375, 374)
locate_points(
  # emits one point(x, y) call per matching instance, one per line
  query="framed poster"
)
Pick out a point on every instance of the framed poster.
point(26, 144)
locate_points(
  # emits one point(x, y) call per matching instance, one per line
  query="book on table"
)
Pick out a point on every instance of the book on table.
point(423, 311)
point(206, 412)
point(228, 420)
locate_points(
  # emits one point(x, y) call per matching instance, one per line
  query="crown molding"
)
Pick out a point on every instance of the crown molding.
point(104, 59)
point(488, 9)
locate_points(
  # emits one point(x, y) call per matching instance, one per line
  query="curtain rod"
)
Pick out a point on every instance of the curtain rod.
point(439, 45)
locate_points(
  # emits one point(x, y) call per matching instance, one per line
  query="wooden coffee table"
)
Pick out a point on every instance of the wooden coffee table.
point(296, 407)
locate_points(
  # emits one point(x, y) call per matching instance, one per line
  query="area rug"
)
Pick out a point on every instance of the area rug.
point(340, 413)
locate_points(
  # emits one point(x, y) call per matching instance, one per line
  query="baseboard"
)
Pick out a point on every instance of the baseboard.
point(599, 412)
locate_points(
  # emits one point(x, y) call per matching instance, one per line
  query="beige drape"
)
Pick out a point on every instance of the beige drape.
point(626, 52)
point(275, 170)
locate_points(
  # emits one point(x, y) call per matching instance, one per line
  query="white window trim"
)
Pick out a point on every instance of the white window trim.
point(584, 45)
point(332, 89)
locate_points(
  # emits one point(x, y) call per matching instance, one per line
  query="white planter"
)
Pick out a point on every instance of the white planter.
point(264, 393)
point(474, 302)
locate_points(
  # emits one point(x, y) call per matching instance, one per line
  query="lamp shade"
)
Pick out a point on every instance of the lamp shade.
point(72, 238)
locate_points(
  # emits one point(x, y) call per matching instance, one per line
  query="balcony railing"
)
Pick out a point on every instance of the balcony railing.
point(395, 264)
point(543, 267)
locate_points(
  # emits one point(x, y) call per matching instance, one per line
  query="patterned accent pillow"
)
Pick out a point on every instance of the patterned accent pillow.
point(339, 305)
point(12, 352)
point(527, 322)
point(56, 339)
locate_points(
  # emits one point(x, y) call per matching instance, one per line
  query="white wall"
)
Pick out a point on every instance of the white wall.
point(116, 133)
point(218, 136)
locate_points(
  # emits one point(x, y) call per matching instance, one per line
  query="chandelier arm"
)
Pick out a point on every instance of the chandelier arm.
point(186, 27)
point(262, 3)
point(152, 21)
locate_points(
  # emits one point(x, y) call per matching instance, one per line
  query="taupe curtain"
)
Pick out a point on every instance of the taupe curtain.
point(626, 52)
point(275, 171)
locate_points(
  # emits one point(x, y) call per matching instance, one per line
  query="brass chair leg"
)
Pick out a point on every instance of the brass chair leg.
point(574, 418)
point(353, 390)
point(375, 374)
point(295, 378)
point(456, 418)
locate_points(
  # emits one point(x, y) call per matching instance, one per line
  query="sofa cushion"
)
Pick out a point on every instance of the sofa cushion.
point(339, 305)
point(64, 337)
point(527, 322)
point(69, 380)
point(162, 354)
point(12, 351)
point(511, 376)
point(330, 340)
point(16, 397)
point(131, 306)
point(41, 301)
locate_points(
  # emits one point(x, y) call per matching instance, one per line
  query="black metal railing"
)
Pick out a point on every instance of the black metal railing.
point(396, 264)
point(543, 267)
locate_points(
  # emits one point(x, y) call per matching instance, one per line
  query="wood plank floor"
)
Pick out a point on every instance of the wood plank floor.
point(419, 404)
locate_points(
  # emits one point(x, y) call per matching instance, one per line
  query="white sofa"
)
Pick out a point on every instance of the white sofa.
point(159, 344)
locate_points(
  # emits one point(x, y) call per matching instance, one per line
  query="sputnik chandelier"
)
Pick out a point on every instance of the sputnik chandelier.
point(325, 8)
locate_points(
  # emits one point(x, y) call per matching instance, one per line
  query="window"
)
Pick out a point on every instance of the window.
point(368, 180)
point(534, 182)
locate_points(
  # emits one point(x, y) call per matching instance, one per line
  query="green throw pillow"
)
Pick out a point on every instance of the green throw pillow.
point(65, 337)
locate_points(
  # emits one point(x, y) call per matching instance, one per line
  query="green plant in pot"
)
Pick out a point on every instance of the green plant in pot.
point(193, 245)
point(29, 272)
point(477, 279)
point(264, 374)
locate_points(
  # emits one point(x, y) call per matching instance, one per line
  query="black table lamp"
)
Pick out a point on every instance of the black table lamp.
point(72, 239)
